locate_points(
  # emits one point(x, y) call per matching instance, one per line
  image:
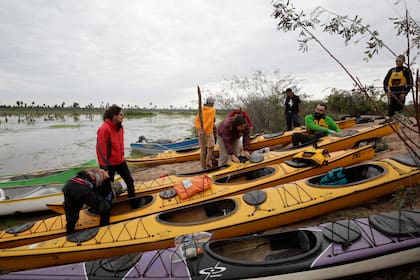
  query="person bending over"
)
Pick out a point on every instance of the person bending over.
point(87, 187)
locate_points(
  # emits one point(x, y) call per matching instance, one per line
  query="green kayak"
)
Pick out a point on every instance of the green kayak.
point(52, 176)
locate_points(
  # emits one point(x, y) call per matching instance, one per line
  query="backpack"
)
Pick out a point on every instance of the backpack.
point(336, 176)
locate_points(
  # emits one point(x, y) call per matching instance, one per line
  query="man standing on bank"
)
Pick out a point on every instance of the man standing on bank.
point(318, 125)
point(206, 135)
point(292, 109)
point(397, 84)
point(110, 148)
point(229, 132)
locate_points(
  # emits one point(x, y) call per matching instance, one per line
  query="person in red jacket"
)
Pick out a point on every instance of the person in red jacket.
point(238, 111)
point(110, 148)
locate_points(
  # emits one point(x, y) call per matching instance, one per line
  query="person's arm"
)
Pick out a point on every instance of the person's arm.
point(102, 147)
point(331, 124)
point(409, 77)
point(224, 132)
point(386, 80)
point(245, 143)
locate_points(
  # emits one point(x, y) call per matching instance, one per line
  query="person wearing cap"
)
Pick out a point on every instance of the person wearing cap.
point(205, 134)
point(318, 125)
point(292, 110)
point(397, 83)
point(110, 148)
point(229, 132)
point(87, 187)
point(238, 111)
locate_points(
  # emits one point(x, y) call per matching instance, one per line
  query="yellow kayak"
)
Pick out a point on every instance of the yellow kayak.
point(344, 140)
point(300, 167)
point(258, 142)
point(241, 214)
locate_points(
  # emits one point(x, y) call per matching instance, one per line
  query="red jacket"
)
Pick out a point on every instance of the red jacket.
point(110, 144)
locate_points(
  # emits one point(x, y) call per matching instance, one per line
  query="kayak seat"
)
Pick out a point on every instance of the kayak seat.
point(398, 223)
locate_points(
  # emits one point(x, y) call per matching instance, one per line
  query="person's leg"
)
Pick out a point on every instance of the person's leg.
point(124, 172)
point(237, 146)
point(209, 157)
point(299, 138)
point(288, 121)
point(295, 120)
point(72, 207)
point(393, 105)
point(210, 148)
point(99, 204)
point(318, 134)
point(203, 151)
point(223, 156)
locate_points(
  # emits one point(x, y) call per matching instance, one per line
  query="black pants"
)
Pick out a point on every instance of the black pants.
point(299, 138)
point(75, 196)
point(124, 172)
point(395, 104)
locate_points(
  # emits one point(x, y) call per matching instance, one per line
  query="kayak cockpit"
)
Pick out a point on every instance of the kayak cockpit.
point(348, 176)
point(246, 176)
point(277, 248)
point(200, 213)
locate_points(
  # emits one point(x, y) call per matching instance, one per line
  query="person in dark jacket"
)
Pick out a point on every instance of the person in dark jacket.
point(229, 131)
point(292, 109)
point(87, 187)
point(397, 84)
point(110, 148)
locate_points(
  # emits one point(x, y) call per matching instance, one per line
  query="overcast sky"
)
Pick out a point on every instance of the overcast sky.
point(139, 52)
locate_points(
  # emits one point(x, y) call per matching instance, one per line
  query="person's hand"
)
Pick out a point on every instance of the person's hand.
point(246, 154)
point(402, 97)
point(235, 159)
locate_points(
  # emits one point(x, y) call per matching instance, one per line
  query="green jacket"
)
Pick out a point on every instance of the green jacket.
point(326, 124)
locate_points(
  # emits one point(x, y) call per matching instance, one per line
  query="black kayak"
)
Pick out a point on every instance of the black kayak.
point(330, 250)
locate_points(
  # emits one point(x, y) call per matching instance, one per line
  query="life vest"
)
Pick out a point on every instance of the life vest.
point(397, 79)
point(192, 186)
point(320, 122)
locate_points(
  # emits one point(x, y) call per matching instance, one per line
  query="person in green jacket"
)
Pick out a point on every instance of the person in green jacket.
point(318, 125)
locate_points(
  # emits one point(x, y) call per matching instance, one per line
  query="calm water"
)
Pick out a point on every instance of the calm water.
point(43, 144)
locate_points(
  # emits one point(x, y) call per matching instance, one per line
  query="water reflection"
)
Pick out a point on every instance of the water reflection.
point(29, 142)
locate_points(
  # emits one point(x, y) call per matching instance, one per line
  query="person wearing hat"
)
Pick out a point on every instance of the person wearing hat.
point(205, 134)
point(238, 111)
point(229, 132)
point(87, 187)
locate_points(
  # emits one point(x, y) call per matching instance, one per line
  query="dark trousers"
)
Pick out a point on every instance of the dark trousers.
point(299, 138)
point(395, 104)
point(75, 196)
point(292, 119)
point(124, 172)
